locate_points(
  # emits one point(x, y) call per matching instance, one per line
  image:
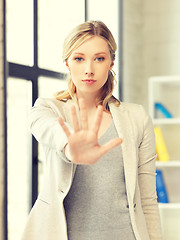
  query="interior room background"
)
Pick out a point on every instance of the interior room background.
point(31, 37)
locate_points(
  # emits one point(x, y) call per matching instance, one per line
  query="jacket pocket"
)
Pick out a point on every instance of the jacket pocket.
point(43, 201)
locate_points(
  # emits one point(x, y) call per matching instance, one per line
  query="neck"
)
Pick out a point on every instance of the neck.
point(89, 98)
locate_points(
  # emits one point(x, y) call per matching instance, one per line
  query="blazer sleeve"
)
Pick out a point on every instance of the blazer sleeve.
point(44, 125)
point(147, 178)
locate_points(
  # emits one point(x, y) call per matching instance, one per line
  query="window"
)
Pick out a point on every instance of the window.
point(56, 19)
point(19, 16)
point(19, 94)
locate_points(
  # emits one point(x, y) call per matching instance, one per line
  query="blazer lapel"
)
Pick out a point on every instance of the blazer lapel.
point(124, 128)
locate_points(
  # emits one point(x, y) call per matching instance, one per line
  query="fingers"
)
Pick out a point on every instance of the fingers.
point(74, 119)
point(98, 119)
point(83, 114)
point(64, 127)
point(83, 118)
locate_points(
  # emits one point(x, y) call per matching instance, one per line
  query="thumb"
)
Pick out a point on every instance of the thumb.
point(110, 145)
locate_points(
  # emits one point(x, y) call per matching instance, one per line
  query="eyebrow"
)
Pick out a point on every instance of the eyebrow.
point(78, 53)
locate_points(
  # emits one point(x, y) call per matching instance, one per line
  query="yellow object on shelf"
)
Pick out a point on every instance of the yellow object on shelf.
point(161, 148)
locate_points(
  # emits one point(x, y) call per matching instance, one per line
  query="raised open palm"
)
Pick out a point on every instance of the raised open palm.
point(83, 141)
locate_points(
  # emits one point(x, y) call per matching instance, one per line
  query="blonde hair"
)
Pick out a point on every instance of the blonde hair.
point(78, 36)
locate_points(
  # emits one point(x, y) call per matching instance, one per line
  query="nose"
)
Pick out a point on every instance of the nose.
point(89, 69)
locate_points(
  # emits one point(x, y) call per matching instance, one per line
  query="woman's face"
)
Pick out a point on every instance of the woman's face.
point(89, 65)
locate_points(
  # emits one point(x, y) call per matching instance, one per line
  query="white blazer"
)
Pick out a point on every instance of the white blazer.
point(47, 218)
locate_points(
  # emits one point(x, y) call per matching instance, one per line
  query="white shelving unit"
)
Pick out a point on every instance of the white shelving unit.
point(162, 121)
point(172, 206)
point(175, 163)
point(166, 90)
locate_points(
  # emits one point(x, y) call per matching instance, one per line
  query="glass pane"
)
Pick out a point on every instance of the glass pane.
point(20, 31)
point(47, 88)
point(19, 155)
point(56, 18)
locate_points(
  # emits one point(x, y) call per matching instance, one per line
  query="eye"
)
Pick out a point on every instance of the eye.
point(79, 59)
point(100, 59)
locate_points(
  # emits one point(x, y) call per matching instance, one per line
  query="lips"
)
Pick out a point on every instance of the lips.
point(89, 81)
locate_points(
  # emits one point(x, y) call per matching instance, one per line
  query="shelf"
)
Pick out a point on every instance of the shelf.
point(165, 90)
point(175, 163)
point(159, 121)
point(175, 206)
point(165, 79)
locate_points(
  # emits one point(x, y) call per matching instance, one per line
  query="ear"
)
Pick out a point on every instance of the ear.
point(111, 66)
point(67, 65)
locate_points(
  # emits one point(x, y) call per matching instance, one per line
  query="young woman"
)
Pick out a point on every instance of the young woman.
point(100, 153)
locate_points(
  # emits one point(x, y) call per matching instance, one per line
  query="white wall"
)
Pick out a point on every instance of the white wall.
point(151, 40)
point(133, 87)
point(161, 38)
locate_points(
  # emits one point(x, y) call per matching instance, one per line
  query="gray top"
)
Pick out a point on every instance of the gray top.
point(96, 205)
